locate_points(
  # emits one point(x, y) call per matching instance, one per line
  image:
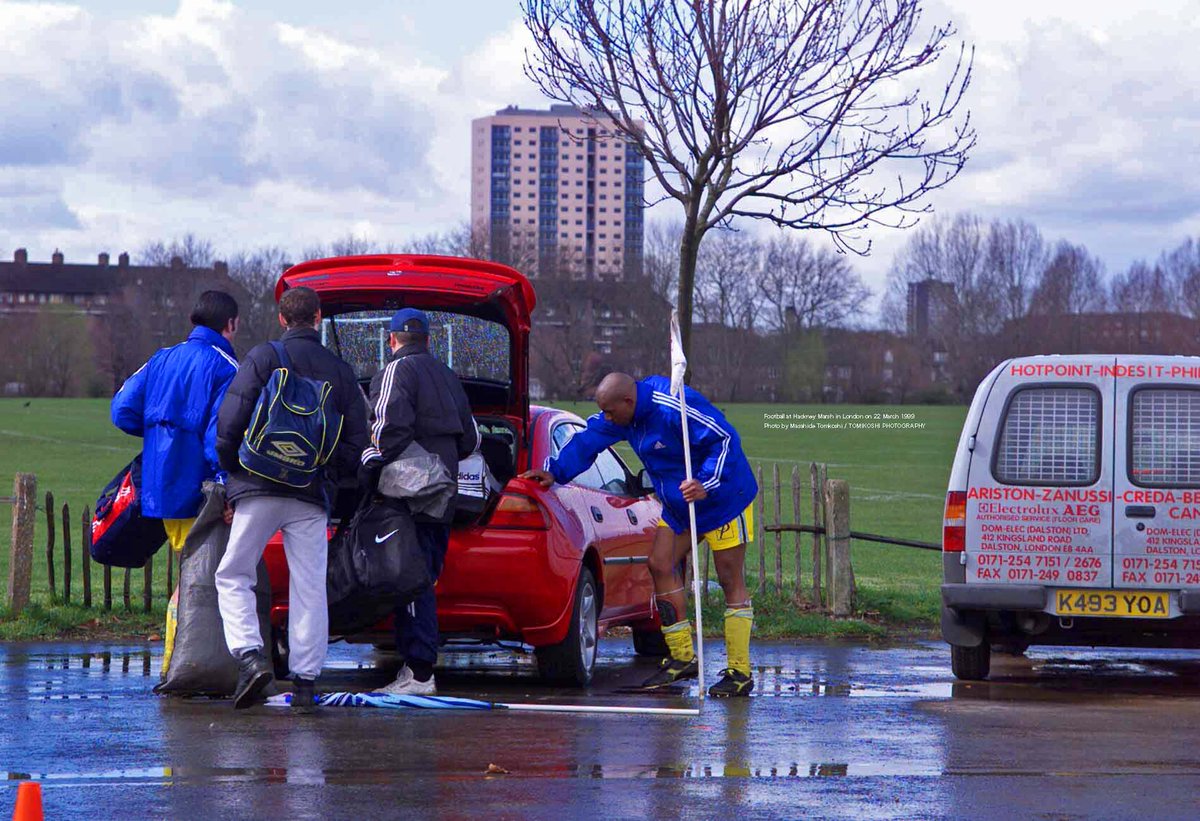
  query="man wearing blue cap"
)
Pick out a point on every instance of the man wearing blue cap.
point(416, 398)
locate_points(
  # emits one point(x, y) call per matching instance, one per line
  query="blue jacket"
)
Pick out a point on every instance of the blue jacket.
point(172, 402)
point(656, 435)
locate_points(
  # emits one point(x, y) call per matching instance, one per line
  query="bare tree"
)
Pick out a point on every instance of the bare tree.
point(460, 241)
point(1143, 289)
point(1071, 284)
point(257, 271)
point(660, 259)
point(725, 278)
point(1016, 257)
point(191, 250)
point(1182, 267)
point(808, 288)
point(775, 110)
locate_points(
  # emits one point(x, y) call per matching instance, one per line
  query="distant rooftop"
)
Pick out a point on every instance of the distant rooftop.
point(563, 110)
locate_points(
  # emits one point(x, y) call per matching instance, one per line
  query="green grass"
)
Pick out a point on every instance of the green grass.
point(897, 481)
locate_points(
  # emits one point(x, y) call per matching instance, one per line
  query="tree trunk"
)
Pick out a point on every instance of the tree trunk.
point(689, 247)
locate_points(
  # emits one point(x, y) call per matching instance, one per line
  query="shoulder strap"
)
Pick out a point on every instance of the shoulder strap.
point(281, 352)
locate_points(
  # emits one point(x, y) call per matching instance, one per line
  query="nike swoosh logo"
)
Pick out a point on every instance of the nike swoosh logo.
point(382, 539)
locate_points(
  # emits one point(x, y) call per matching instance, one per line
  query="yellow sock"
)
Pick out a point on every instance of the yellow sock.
point(679, 640)
point(738, 621)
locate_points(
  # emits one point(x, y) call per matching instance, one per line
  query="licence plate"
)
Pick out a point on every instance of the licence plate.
point(1131, 604)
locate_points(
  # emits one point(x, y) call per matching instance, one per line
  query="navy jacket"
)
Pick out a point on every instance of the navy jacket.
point(172, 402)
point(416, 398)
point(656, 435)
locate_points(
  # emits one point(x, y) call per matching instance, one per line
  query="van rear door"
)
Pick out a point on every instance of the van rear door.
point(1039, 490)
point(1157, 483)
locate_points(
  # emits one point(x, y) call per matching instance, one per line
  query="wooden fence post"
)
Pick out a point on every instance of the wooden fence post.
point(762, 548)
point(50, 544)
point(778, 535)
point(85, 541)
point(823, 477)
point(66, 522)
point(815, 492)
point(148, 583)
point(125, 592)
point(798, 585)
point(107, 589)
point(20, 557)
point(837, 528)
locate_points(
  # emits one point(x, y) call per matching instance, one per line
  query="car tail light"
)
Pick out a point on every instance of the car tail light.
point(516, 511)
point(954, 525)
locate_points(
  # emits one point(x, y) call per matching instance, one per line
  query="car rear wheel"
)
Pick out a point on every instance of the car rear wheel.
point(971, 663)
point(650, 643)
point(573, 660)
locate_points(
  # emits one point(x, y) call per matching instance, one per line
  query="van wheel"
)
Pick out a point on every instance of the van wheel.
point(650, 643)
point(279, 653)
point(573, 660)
point(971, 663)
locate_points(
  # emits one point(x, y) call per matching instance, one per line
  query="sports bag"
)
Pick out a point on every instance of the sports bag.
point(375, 565)
point(121, 536)
point(476, 488)
point(294, 428)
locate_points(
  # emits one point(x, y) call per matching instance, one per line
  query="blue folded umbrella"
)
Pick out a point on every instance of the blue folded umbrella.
point(387, 701)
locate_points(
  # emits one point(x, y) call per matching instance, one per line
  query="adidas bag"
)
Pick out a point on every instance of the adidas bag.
point(294, 429)
point(476, 488)
point(121, 536)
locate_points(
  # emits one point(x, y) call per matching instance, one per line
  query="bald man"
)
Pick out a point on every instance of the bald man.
point(647, 416)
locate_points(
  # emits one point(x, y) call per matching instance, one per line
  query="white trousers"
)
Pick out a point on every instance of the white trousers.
point(255, 520)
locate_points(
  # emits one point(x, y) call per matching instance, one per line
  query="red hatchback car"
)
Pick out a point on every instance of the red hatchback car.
point(547, 568)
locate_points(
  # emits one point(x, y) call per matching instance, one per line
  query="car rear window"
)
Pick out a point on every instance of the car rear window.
point(1165, 437)
point(473, 348)
point(1049, 436)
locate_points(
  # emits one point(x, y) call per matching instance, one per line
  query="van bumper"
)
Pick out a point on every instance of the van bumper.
point(965, 606)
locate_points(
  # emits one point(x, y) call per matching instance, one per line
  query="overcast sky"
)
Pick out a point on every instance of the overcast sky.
point(291, 122)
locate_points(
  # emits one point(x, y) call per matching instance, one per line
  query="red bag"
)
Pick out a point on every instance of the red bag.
point(121, 536)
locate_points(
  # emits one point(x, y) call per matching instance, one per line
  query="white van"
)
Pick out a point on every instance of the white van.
point(1073, 512)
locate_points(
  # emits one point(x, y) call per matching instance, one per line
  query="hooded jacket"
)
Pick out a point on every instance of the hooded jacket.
point(656, 435)
point(171, 402)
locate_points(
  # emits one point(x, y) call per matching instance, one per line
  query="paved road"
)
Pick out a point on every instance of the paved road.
point(834, 731)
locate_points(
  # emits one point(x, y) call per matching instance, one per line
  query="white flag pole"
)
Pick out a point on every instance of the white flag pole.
point(678, 369)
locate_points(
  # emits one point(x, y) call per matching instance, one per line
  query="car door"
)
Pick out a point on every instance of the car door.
point(628, 586)
point(1156, 531)
point(595, 496)
point(1039, 497)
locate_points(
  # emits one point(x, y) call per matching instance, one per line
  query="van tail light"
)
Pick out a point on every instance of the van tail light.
point(516, 511)
point(954, 525)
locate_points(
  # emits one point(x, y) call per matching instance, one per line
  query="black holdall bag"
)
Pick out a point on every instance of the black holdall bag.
point(121, 535)
point(375, 565)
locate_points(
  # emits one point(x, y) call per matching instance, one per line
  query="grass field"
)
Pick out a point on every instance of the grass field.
point(897, 480)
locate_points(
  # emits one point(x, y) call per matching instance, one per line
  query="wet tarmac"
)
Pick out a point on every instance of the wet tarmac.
point(833, 731)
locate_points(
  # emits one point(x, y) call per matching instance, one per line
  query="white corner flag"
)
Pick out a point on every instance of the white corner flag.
point(678, 370)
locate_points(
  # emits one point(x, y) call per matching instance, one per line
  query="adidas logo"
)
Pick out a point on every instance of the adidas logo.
point(659, 446)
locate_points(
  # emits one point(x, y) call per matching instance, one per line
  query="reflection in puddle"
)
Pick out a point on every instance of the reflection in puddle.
point(336, 776)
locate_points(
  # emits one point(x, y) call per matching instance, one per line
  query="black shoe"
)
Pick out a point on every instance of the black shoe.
point(732, 684)
point(254, 674)
point(303, 697)
point(670, 671)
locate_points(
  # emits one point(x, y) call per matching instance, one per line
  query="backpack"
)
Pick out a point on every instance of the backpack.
point(121, 536)
point(294, 428)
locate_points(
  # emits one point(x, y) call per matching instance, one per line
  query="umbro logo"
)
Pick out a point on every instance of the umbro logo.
point(659, 446)
point(288, 449)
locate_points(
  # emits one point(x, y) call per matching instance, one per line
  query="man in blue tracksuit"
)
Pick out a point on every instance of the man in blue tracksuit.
point(646, 415)
point(172, 402)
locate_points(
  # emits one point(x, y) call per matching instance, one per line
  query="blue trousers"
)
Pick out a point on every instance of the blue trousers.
point(416, 623)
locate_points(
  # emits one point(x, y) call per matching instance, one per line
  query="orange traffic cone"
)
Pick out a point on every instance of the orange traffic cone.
point(29, 802)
